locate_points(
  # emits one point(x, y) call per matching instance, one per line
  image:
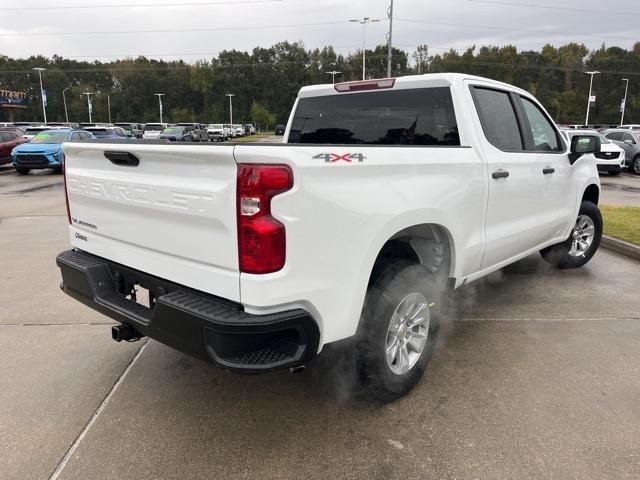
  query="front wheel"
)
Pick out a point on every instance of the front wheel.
point(397, 331)
point(583, 242)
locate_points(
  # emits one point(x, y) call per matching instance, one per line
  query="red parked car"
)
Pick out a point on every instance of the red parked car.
point(9, 139)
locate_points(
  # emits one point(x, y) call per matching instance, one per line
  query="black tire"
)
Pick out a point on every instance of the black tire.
point(23, 170)
point(396, 281)
point(635, 165)
point(559, 256)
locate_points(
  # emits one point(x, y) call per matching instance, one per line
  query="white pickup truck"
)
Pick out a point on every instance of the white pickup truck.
point(383, 195)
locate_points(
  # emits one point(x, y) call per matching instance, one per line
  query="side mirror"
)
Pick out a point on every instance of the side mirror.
point(583, 145)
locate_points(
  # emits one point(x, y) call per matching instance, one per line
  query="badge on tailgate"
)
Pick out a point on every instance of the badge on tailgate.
point(340, 157)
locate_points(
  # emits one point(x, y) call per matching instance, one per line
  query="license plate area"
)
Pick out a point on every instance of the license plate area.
point(142, 296)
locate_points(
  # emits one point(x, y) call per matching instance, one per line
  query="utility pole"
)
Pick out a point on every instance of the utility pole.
point(42, 96)
point(586, 122)
point(389, 39)
point(230, 95)
point(624, 102)
point(89, 106)
point(64, 100)
point(160, 95)
point(364, 22)
point(333, 74)
point(109, 106)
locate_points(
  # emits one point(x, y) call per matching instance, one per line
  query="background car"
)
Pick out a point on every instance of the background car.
point(280, 129)
point(31, 132)
point(217, 132)
point(239, 130)
point(110, 133)
point(632, 126)
point(45, 150)
point(629, 141)
point(198, 131)
point(9, 139)
point(134, 128)
point(609, 159)
point(231, 132)
point(178, 134)
point(153, 130)
point(249, 129)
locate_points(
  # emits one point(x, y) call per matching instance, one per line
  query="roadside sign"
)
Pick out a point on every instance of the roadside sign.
point(592, 99)
point(44, 97)
point(622, 106)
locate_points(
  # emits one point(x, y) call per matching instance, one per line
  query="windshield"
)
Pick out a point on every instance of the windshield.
point(602, 138)
point(173, 131)
point(153, 128)
point(34, 131)
point(216, 125)
point(101, 132)
point(51, 136)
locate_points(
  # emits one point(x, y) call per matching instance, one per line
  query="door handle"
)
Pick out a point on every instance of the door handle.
point(548, 170)
point(124, 159)
point(500, 174)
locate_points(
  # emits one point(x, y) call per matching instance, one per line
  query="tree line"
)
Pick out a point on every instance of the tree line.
point(265, 81)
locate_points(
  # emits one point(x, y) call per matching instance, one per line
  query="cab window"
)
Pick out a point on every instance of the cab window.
point(545, 136)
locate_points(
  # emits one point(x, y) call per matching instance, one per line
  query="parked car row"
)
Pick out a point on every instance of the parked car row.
point(220, 132)
point(185, 132)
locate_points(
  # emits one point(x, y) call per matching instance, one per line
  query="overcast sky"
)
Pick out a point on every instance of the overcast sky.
point(442, 24)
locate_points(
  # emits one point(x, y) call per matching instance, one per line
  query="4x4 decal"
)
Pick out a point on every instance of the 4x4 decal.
point(336, 157)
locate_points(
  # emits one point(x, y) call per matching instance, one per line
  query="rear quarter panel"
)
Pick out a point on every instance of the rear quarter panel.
point(339, 215)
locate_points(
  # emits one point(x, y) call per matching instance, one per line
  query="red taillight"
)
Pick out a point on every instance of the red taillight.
point(261, 238)
point(365, 85)
point(66, 192)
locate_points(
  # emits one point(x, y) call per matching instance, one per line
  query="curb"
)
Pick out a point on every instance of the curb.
point(621, 247)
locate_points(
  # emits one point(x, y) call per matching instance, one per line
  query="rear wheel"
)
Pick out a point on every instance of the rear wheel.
point(397, 331)
point(22, 170)
point(635, 165)
point(583, 242)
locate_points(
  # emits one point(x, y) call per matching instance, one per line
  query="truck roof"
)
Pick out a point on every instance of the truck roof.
point(409, 81)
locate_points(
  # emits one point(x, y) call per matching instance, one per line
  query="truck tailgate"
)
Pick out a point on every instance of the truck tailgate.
point(173, 215)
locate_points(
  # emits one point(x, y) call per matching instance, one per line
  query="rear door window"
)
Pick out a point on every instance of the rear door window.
point(498, 119)
point(395, 117)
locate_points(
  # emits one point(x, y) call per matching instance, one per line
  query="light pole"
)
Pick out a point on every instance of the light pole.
point(160, 95)
point(44, 100)
point(109, 106)
point(363, 22)
point(595, 72)
point(89, 106)
point(389, 39)
point(333, 74)
point(64, 100)
point(230, 95)
point(624, 102)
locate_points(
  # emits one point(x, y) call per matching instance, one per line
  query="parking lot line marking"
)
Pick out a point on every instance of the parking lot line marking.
point(63, 463)
point(550, 320)
point(54, 324)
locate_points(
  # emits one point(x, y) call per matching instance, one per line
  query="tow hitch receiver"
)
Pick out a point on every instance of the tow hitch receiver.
point(125, 332)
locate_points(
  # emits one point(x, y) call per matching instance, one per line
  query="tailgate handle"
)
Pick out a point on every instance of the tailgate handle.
point(124, 159)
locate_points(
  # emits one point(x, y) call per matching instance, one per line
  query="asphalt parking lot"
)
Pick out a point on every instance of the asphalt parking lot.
point(537, 375)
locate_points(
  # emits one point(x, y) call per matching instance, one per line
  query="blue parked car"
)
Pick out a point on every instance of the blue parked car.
point(45, 150)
